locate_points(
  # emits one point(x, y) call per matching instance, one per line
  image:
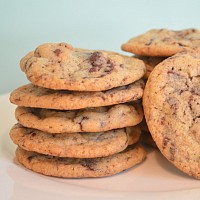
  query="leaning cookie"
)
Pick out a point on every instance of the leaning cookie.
point(172, 108)
point(37, 97)
point(60, 66)
point(87, 120)
point(163, 42)
point(81, 168)
point(77, 145)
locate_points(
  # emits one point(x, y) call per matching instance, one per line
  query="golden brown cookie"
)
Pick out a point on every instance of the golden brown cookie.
point(60, 66)
point(77, 145)
point(163, 42)
point(81, 168)
point(172, 108)
point(86, 120)
point(37, 97)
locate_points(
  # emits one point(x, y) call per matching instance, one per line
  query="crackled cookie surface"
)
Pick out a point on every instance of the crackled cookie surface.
point(33, 96)
point(81, 168)
point(77, 145)
point(163, 42)
point(172, 110)
point(86, 120)
point(60, 66)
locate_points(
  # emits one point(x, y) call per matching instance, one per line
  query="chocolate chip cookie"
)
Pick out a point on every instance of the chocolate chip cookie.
point(172, 109)
point(81, 168)
point(59, 66)
point(37, 97)
point(77, 145)
point(163, 42)
point(86, 120)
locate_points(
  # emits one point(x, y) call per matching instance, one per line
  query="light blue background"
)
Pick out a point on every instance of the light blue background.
point(95, 24)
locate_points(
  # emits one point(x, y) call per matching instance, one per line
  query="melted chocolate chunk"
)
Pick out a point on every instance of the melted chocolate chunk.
point(98, 61)
point(57, 52)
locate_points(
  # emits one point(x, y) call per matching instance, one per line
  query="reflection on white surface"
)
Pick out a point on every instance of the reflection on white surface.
point(154, 178)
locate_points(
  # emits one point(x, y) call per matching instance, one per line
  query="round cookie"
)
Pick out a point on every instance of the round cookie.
point(163, 42)
point(59, 66)
point(81, 168)
point(33, 96)
point(172, 108)
point(77, 145)
point(88, 120)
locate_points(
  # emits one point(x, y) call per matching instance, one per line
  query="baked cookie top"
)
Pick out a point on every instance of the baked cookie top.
point(172, 110)
point(60, 66)
point(81, 168)
point(163, 42)
point(86, 120)
point(34, 96)
point(76, 145)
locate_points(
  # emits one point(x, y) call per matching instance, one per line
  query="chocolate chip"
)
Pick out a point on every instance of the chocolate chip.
point(85, 118)
point(165, 142)
point(181, 44)
point(150, 42)
point(97, 59)
point(103, 98)
point(89, 164)
point(93, 69)
point(57, 52)
point(109, 68)
point(162, 120)
point(124, 79)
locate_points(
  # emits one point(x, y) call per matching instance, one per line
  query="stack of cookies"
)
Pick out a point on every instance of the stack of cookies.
point(171, 99)
point(78, 116)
